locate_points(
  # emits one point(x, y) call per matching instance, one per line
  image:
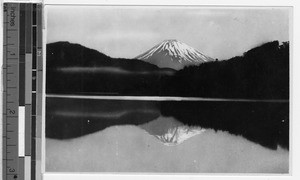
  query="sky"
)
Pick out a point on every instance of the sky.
point(128, 31)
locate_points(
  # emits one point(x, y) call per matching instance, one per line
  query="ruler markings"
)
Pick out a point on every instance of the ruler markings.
point(4, 137)
point(12, 134)
point(10, 142)
point(22, 82)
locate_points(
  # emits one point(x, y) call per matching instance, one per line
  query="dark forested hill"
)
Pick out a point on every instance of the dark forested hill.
point(261, 73)
point(75, 69)
point(65, 54)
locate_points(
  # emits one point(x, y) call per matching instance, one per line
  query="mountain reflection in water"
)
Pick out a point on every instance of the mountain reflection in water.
point(128, 148)
point(171, 122)
point(170, 131)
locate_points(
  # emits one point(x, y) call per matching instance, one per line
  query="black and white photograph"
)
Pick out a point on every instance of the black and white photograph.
point(167, 89)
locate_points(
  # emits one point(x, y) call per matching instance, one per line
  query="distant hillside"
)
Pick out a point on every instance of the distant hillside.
point(261, 73)
point(75, 69)
point(65, 54)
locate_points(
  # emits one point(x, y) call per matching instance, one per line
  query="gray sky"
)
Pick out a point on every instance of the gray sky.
point(130, 30)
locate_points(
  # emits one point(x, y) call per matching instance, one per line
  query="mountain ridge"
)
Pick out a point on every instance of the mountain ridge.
point(66, 54)
point(75, 69)
point(174, 54)
point(261, 73)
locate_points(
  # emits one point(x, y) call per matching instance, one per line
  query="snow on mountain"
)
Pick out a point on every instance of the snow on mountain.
point(177, 135)
point(174, 54)
point(171, 132)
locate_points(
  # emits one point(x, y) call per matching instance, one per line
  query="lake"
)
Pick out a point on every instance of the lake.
point(97, 135)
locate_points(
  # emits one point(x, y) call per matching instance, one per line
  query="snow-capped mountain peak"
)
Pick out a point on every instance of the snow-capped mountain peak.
point(174, 54)
point(171, 132)
point(177, 135)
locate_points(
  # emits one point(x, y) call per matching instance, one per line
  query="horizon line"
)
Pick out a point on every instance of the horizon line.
point(164, 98)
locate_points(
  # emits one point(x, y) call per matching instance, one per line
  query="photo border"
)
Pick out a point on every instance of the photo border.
point(294, 87)
point(206, 3)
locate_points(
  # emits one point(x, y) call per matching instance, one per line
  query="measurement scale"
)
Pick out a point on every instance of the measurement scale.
point(22, 73)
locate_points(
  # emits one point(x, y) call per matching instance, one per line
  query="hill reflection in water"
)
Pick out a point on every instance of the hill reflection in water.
point(128, 148)
point(261, 122)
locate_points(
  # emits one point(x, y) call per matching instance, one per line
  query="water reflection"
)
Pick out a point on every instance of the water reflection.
point(170, 131)
point(72, 118)
point(128, 148)
point(169, 121)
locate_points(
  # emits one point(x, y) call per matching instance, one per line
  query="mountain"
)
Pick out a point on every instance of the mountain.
point(173, 54)
point(179, 134)
point(170, 131)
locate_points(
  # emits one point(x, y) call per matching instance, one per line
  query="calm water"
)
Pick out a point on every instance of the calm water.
point(88, 135)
